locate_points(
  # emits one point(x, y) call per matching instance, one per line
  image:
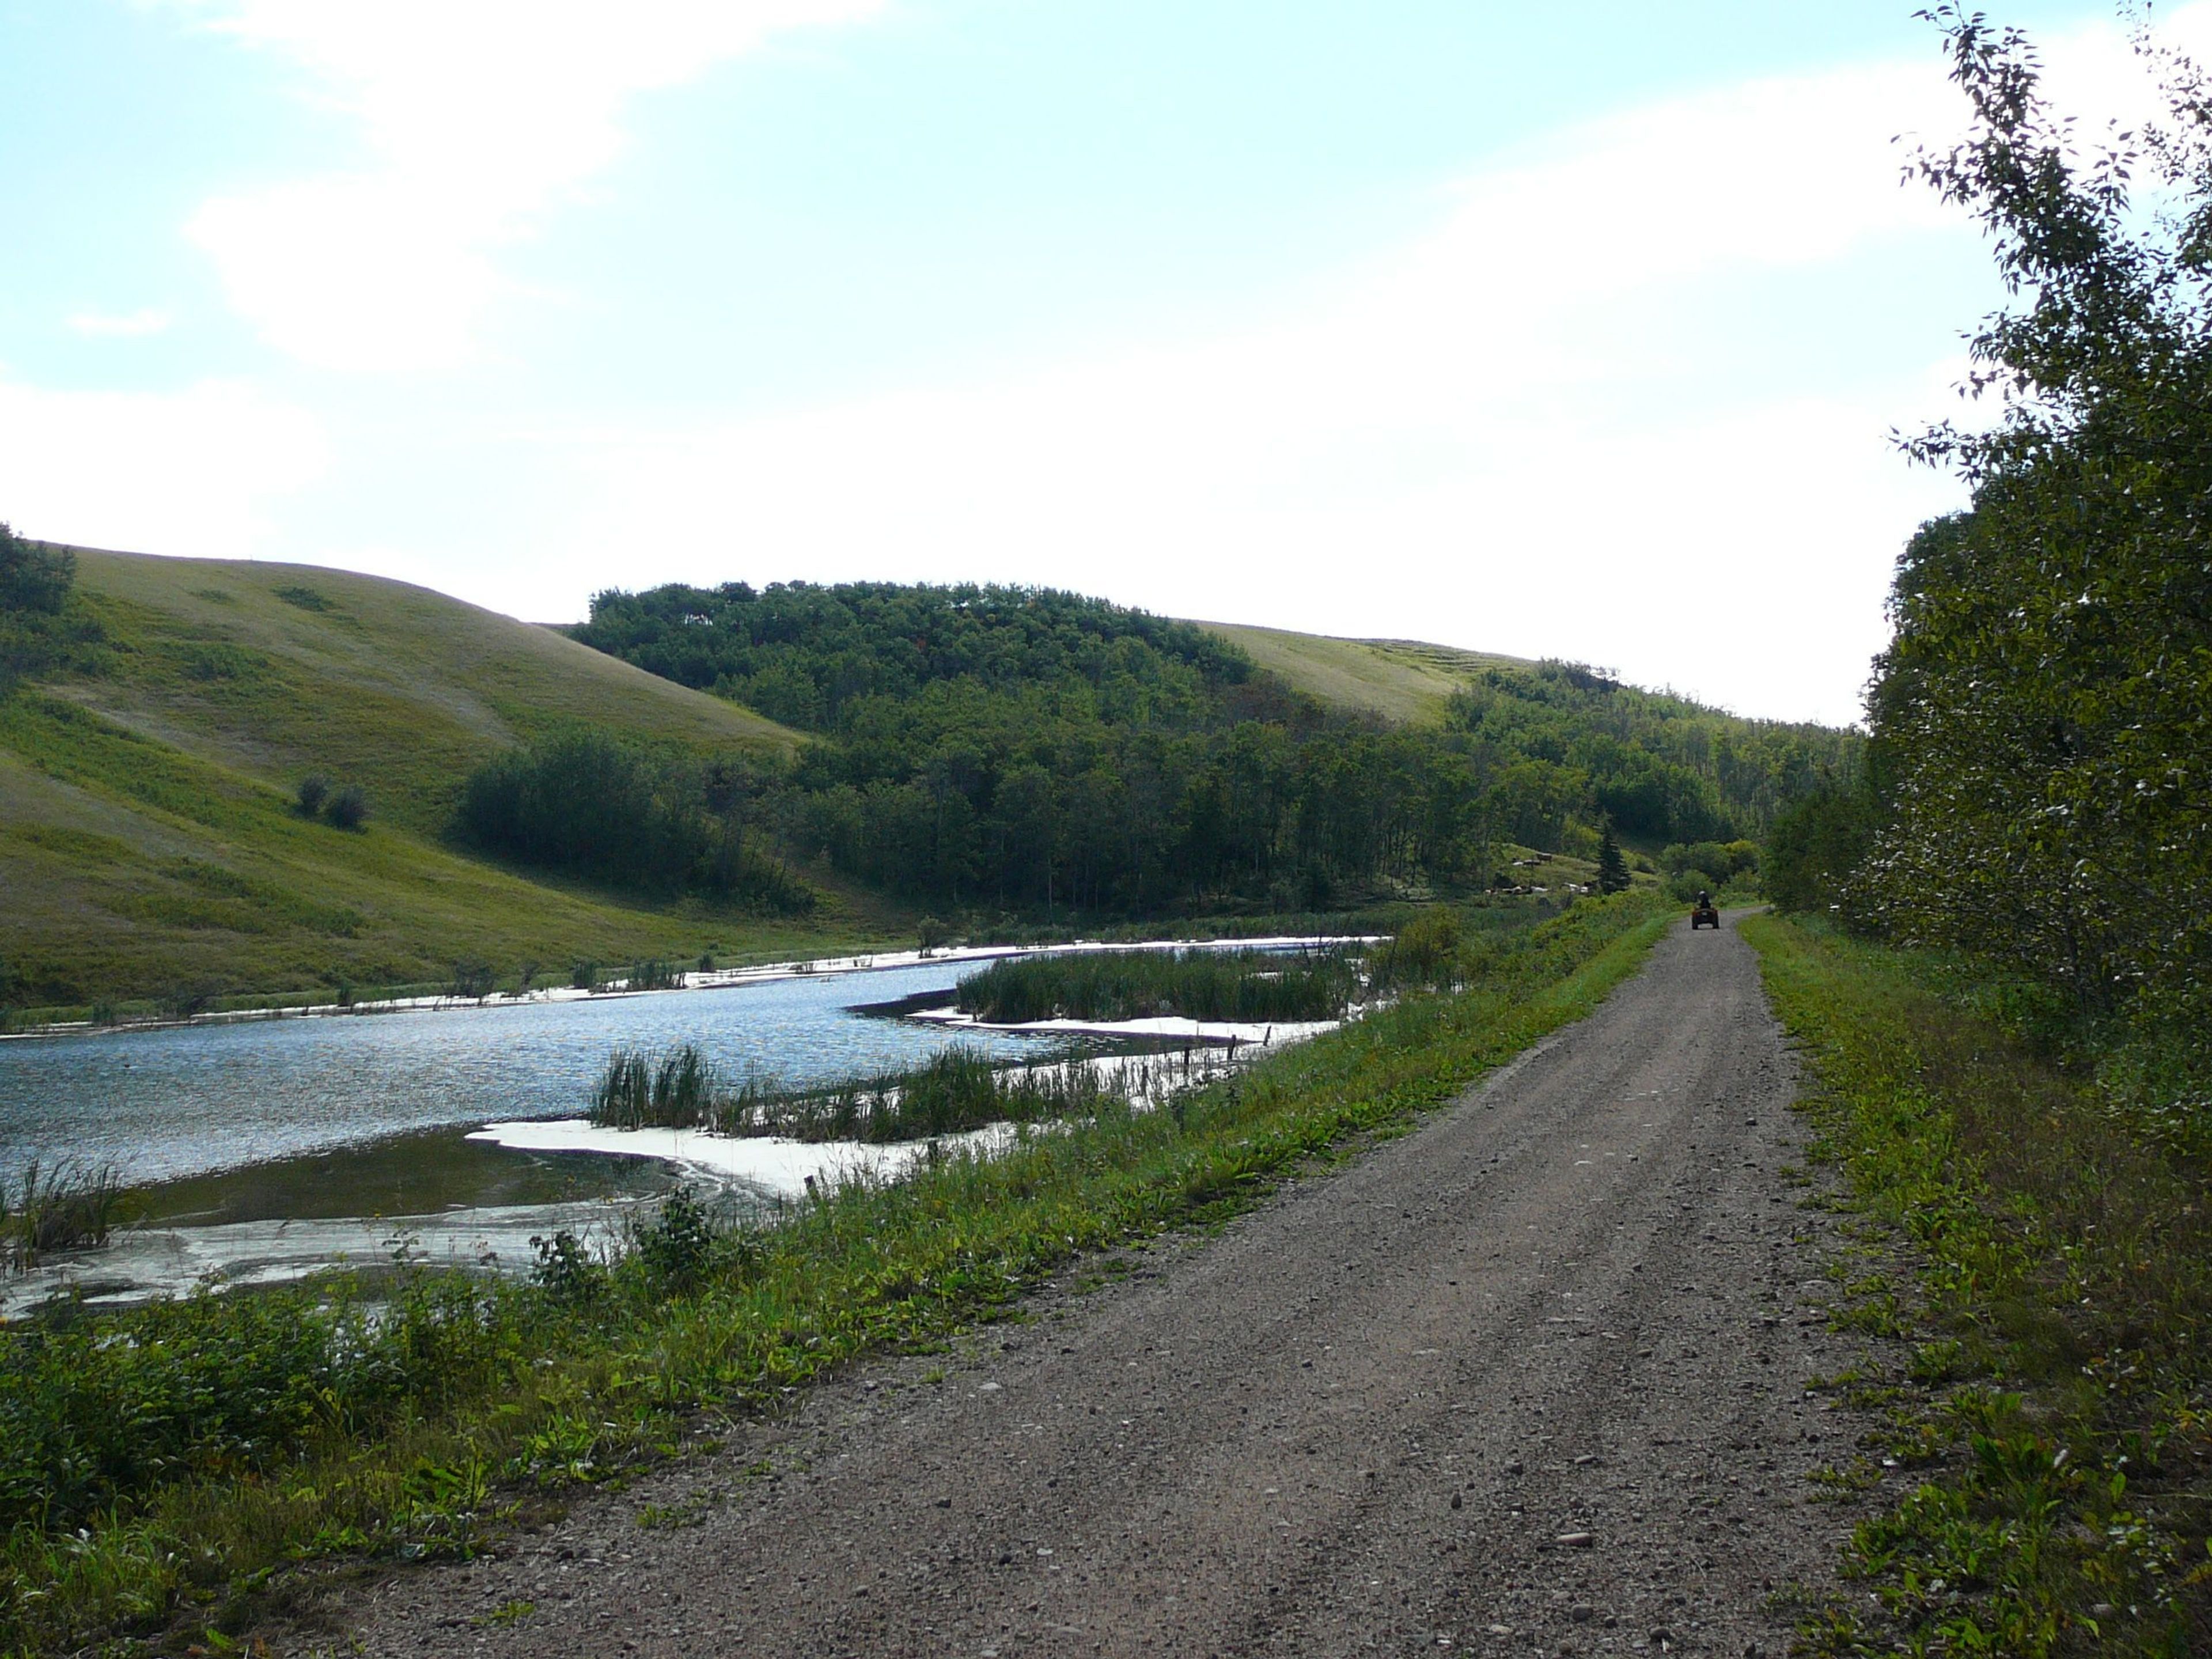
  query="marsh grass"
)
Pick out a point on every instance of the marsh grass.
point(1243, 986)
point(55, 1207)
point(2061, 1367)
point(157, 1464)
point(953, 1092)
point(635, 1091)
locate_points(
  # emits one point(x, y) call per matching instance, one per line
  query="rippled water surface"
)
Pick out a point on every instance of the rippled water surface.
point(163, 1105)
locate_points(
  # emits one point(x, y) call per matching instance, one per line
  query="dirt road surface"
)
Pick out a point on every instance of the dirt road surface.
point(1532, 1377)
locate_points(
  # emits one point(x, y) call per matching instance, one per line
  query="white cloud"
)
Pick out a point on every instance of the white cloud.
point(1556, 423)
point(1537, 428)
point(1522, 431)
point(477, 117)
point(129, 324)
point(193, 472)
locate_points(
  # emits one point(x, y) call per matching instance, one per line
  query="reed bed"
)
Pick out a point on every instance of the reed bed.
point(953, 1092)
point(59, 1206)
point(1248, 987)
point(677, 1091)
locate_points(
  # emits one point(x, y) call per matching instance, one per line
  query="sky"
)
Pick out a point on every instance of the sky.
point(1577, 330)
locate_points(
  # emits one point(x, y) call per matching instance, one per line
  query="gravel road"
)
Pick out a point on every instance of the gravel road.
point(1530, 1377)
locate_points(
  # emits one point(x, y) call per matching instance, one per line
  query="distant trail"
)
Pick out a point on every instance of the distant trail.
point(1573, 1303)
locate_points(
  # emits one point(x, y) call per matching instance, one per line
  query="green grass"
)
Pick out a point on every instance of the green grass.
point(1401, 680)
point(202, 1445)
point(1199, 985)
point(395, 688)
point(2057, 1389)
point(148, 843)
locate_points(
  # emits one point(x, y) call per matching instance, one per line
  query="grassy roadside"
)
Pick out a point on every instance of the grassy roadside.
point(2056, 1401)
point(157, 1468)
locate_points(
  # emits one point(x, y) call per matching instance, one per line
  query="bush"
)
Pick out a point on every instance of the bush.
point(1425, 952)
point(679, 1243)
point(347, 808)
point(33, 577)
point(40, 628)
point(314, 789)
point(1816, 846)
point(1246, 985)
point(1684, 886)
point(1720, 861)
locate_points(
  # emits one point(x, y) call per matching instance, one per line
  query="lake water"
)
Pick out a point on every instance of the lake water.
point(164, 1105)
point(267, 1149)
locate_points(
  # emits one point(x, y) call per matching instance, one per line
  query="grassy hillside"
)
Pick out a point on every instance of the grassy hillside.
point(276, 670)
point(147, 845)
point(1397, 679)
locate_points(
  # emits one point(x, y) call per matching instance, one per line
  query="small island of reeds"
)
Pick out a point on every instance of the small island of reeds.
point(953, 1092)
point(1244, 987)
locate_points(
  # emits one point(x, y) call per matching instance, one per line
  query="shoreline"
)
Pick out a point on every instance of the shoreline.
point(721, 979)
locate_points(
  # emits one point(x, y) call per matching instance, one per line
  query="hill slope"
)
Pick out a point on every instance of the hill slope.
point(147, 847)
point(278, 669)
point(1397, 679)
point(1025, 748)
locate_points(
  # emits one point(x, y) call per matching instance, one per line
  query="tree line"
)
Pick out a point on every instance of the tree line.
point(2038, 788)
point(1033, 750)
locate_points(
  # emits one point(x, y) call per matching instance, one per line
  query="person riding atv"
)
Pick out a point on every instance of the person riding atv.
point(1703, 915)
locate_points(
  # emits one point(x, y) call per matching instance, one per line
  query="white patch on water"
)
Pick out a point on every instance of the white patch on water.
point(771, 1165)
point(1262, 1034)
point(782, 1168)
point(140, 1263)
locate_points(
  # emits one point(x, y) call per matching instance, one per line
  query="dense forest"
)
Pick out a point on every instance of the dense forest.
point(1035, 750)
point(2036, 790)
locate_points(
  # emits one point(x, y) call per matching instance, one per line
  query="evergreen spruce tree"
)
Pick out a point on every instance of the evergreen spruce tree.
point(1612, 868)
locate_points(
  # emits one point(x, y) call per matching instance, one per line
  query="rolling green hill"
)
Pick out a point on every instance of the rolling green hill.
point(274, 670)
point(149, 848)
point(1397, 679)
point(1015, 750)
point(998, 756)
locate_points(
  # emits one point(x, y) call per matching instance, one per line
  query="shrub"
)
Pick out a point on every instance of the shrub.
point(678, 1244)
point(566, 1271)
point(347, 808)
point(1425, 952)
point(314, 789)
point(473, 980)
point(33, 575)
point(1219, 985)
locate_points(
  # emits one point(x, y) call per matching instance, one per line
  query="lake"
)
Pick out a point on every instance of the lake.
point(163, 1105)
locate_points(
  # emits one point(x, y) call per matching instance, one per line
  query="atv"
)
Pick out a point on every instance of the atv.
point(1705, 916)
